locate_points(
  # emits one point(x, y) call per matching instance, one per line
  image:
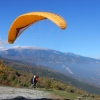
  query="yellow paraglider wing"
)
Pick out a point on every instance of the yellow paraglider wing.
point(22, 22)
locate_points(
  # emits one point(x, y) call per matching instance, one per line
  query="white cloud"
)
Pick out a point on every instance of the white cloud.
point(3, 43)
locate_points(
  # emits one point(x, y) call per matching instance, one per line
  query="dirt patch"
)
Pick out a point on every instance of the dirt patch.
point(11, 93)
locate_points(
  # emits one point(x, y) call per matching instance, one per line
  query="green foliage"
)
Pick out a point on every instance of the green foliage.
point(13, 77)
point(23, 84)
point(47, 84)
point(3, 77)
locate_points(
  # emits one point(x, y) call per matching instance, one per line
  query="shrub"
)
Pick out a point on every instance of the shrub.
point(3, 77)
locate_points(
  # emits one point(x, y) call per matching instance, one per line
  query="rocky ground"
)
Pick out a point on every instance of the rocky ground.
point(11, 93)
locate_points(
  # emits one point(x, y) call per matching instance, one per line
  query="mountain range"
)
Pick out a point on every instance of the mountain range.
point(77, 66)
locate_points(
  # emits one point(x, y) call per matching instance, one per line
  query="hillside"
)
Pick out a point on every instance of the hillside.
point(11, 77)
point(43, 72)
point(83, 68)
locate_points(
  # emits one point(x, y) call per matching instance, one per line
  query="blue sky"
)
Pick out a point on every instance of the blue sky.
point(82, 35)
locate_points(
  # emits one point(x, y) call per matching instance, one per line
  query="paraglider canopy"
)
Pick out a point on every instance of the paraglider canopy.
point(23, 21)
